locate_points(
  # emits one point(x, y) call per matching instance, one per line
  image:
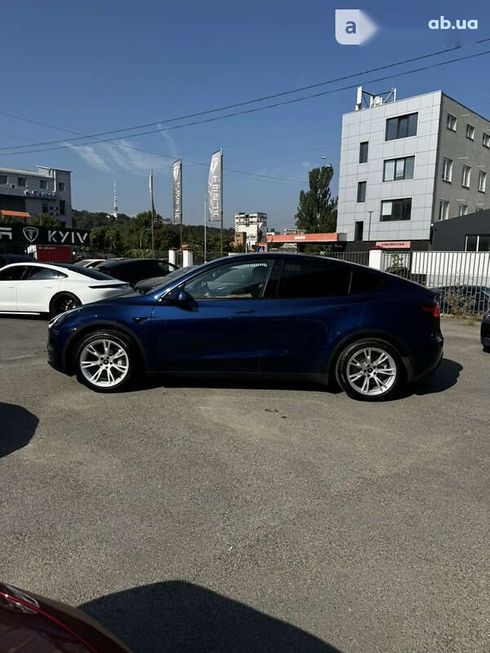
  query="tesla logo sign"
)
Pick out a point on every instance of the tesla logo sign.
point(31, 233)
point(67, 237)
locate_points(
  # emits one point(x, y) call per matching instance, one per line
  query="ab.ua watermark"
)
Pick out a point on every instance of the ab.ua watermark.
point(443, 23)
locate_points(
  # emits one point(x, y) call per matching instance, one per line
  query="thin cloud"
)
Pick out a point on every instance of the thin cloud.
point(171, 142)
point(90, 155)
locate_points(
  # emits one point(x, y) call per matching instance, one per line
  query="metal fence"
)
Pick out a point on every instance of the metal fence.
point(463, 278)
point(361, 258)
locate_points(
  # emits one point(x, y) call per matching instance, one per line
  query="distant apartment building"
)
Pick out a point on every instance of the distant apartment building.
point(253, 225)
point(46, 191)
point(406, 164)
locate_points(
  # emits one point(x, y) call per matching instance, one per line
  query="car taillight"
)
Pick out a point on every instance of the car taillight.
point(433, 309)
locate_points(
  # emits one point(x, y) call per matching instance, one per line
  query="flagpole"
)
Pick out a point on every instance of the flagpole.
point(221, 184)
point(152, 217)
point(181, 207)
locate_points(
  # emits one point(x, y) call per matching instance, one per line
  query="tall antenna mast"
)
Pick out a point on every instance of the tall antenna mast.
point(114, 205)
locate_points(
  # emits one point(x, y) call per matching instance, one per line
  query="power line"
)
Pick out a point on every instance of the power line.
point(196, 114)
point(65, 144)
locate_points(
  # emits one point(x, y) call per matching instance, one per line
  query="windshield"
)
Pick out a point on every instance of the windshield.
point(169, 279)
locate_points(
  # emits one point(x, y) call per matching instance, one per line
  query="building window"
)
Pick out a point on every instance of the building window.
point(21, 182)
point(43, 184)
point(479, 243)
point(396, 169)
point(61, 186)
point(486, 140)
point(363, 152)
point(447, 169)
point(361, 191)
point(466, 179)
point(62, 207)
point(482, 181)
point(463, 209)
point(45, 208)
point(358, 230)
point(451, 122)
point(443, 210)
point(392, 210)
point(470, 132)
point(3, 180)
point(401, 127)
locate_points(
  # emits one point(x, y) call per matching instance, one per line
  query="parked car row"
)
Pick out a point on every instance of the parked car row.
point(270, 314)
point(29, 287)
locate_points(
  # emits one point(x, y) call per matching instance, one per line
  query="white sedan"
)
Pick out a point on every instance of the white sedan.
point(37, 288)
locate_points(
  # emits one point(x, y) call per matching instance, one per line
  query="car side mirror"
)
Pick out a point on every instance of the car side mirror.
point(178, 297)
point(182, 297)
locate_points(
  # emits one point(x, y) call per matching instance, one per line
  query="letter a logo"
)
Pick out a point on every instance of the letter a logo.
point(353, 27)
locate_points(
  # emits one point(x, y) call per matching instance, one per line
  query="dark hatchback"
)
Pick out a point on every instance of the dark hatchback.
point(133, 270)
point(34, 624)
point(485, 332)
point(274, 315)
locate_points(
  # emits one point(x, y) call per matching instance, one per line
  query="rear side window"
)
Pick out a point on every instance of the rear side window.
point(303, 279)
point(41, 274)
point(366, 280)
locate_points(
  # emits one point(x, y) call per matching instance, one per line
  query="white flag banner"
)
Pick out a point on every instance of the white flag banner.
point(177, 192)
point(150, 187)
point(215, 188)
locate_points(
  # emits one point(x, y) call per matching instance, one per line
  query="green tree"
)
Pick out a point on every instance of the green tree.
point(317, 209)
point(46, 220)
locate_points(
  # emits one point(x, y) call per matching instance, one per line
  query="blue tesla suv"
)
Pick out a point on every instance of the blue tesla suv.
point(274, 315)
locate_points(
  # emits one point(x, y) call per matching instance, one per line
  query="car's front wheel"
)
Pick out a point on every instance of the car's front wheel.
point(105, 361)
point(370, 370)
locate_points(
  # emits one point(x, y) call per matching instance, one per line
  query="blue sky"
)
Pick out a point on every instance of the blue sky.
point(100, 65)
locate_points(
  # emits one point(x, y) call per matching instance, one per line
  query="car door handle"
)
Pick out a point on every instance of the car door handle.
point(245, 311)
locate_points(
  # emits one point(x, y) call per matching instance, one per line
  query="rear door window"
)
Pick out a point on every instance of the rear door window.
point(12, 274)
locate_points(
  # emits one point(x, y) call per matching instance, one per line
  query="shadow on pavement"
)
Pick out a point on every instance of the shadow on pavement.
point(180, 617)
point(17, 426)
point(446, 375)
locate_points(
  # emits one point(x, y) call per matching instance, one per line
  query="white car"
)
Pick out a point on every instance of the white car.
point(90, 262)
point(37, 288)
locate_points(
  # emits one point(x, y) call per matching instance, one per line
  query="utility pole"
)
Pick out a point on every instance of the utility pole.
point(369, 225)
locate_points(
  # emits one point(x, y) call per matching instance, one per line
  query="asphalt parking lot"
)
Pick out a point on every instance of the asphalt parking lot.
point(214, 518)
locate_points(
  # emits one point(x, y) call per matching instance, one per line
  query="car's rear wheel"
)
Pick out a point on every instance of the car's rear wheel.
point(370, 370)
point(63, 302)
point(105, 361)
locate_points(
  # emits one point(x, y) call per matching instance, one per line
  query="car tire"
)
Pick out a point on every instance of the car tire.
point(63, 302)
point(105, 361)
point(370, 370)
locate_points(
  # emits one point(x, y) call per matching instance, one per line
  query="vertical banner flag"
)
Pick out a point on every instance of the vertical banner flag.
point(177, 193)
point(150, 186)
point(215, 187)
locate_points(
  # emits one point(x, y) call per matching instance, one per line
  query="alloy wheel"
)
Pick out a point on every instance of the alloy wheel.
point(371, 371)
point(104, 363)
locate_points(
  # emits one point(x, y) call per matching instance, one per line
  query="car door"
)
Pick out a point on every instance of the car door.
point(310, 312)
point(37, 287)
point(219, 328)
point(9, 279)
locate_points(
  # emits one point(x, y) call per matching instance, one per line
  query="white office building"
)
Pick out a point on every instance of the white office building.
point(47, 190)
point(254, 225)
point(406, 164)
